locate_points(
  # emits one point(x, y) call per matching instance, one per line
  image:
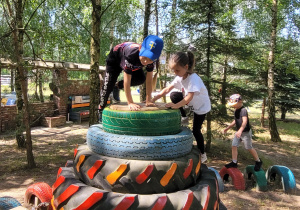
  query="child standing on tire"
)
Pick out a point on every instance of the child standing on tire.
point(243, 133)
point(130, 58)
point(193, 93)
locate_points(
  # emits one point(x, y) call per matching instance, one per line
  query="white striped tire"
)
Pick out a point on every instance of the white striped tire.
point(140, 147)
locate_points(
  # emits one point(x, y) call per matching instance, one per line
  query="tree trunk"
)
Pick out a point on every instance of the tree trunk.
point(111, 34)
point(12, 79)
point(263, 109)
point(223, 88)
point(283, 113)
point(20, 127)
point(95, 57)
point(209, 135)
point(18, 36)
point(36, 95)
point(271, 88)
point(40, 81)
point(145, 34)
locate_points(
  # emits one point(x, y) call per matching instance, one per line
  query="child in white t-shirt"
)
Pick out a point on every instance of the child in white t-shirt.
point(193, 93)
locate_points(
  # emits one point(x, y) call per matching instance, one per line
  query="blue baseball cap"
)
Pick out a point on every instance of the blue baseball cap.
point(152, 47)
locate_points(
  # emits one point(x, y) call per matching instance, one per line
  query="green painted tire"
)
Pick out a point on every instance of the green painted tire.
point(259, 178)
point(141, 123)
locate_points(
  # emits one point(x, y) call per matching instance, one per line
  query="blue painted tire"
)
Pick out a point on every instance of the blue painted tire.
point(258, 177)
point(219, 179)
point(139, 147)
point(285, 175)
point(8, 202)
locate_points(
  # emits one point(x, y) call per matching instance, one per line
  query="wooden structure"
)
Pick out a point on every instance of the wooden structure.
point(64, 87)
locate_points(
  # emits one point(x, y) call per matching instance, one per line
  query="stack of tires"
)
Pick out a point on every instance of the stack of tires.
point(136, 160)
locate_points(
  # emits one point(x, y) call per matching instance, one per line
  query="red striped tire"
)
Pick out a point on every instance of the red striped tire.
point(39, 194)
point(70, 193)
point(236, 177)
point(136, 176)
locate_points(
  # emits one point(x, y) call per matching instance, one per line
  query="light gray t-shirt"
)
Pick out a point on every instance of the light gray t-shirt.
point(200, 103)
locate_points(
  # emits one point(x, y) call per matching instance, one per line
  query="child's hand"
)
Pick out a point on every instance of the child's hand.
point(169, 105)
point(134, 107)
point(150, 104)
point(238, 134)
point(225, 131)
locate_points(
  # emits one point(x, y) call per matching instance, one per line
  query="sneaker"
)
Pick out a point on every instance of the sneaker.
point(203, 158)
point(258, 165)
point(116, 94)
point(184, 121)
point(231, 165)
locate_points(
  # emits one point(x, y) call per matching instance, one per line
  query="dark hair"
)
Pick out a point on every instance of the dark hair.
point(182, 59)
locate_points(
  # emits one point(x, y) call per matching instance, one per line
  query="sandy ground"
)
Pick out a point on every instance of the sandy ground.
point(63, 140)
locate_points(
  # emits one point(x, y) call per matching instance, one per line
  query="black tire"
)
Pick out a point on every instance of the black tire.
point(137, 147)
point(8, 202)
point(209, 177)
point(70, 193)
point(138, 176)
point(141, 123)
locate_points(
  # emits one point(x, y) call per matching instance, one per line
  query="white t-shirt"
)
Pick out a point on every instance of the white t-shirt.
point(200, 103)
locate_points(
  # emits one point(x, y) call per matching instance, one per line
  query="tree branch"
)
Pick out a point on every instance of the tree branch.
point(31, 16)
point(106, 8)
point(76, 19)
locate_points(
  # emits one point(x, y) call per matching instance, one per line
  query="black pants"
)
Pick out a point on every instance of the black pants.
point(110, 80)
point(197, 121)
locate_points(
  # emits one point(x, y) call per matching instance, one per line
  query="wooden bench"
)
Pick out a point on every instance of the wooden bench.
point(79, 109)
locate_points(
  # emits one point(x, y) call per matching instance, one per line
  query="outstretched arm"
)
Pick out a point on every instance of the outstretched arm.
point(127, 90)
point(149, 89)
point(229, 126)
point(162, 93)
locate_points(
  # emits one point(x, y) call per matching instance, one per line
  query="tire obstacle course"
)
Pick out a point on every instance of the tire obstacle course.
point(282, 176)
point(151, 170)
point(134, 177)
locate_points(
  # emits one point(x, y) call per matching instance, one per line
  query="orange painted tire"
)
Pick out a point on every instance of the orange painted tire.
point(42, 191)
point(136, 176)
point(71, 193)
point(236, 176)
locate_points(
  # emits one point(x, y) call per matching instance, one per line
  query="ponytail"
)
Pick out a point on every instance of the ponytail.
point(183, 59)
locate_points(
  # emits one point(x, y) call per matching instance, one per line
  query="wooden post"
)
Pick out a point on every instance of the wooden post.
point(0, 102)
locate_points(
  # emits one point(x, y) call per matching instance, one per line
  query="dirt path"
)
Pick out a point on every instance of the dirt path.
point(14, 178)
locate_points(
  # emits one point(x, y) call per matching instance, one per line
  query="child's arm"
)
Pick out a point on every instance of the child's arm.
point(127, 90)
point(183, 102)
point(149, 88)
point(162, 93)
point(229, 126)
point(243, 126)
